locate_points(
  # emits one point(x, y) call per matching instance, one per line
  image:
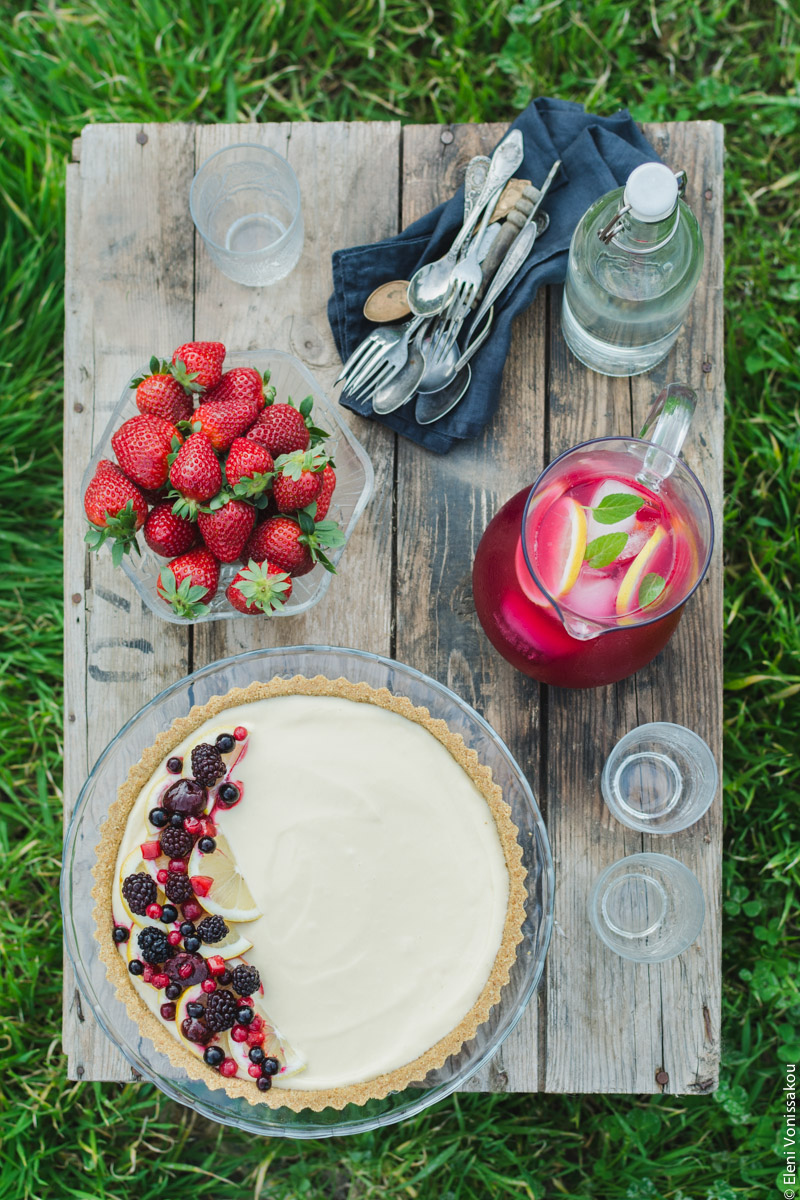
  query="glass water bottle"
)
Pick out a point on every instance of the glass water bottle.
point(634, 263)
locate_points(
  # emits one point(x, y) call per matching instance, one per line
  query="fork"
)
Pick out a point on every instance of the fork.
point(381, 360)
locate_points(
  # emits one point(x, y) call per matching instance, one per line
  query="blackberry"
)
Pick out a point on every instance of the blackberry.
point(178, 888)
point(212, 929)
point(186, 798)
point(220, 1011)
point(245, 980)
point(225, 743)
point(229, 793)
point(207, 764)
point(153, 946)
point(176, 843)
point(139, 891)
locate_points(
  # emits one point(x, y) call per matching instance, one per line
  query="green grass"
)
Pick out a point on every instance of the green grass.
point(108, 60)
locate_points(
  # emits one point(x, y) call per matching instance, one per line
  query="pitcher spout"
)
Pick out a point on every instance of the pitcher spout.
point(581, 628)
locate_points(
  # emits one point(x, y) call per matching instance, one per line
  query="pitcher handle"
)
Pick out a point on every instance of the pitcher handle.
point(667, 425)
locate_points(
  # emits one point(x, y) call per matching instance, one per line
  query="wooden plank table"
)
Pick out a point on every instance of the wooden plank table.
point(138, 281)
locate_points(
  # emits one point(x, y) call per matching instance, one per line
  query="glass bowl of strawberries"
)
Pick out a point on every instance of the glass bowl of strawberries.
point(225, 484)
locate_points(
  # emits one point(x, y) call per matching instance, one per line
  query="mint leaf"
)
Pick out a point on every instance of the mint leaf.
point(603, 550)
point(650, 589)
point(616, 507)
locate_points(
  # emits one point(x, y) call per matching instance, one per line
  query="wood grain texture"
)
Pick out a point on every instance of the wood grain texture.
point(138, 280)
point(334, 164)
point(129, 292)
point(613, 1025)
point(443, 505)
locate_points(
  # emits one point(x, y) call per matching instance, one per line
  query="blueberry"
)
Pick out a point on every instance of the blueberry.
point(214, 1056)
point(120, 934)
point(175, 765)
point(256, 1055)
point(224, 978)
point(188, 929)
point(225, 743)
point(195, 1010)
point(158, 817)
point(264, 1083)
point(271, 1066)
point(191, 944)
point(244, 1015)
point(228, 793)
point(172, 991)
point(176, 821)
point(207, 844)
point(169, 913)
point(136, 967)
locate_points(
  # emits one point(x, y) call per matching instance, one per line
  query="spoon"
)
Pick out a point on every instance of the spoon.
point(430, 285)
point(432, 406)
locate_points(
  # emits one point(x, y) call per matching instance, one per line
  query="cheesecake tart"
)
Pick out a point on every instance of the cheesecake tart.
point(309, 892)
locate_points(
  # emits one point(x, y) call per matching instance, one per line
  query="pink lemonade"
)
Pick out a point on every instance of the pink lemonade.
point(581, 580)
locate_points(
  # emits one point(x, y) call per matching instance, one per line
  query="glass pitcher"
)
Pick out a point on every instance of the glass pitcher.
point(581, 580)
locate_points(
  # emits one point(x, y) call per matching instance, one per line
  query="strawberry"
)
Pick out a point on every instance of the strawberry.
point(142, 446)
point(202, 362)
point(168, 534)
point(240, 383)
point(188, 582)
point(298, 481)
point(225, 420)
point(195, 474)
point(260, 587)
point(248, 467)
point(281, 428)
point(159, 394)
point(324, 498)
point(116, 509)
point(294, 545)
point(226, 529)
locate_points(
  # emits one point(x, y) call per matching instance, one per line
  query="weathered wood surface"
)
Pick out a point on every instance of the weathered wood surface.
point(137, 280)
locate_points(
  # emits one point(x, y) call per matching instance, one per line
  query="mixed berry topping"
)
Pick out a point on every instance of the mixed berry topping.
point(139, 890)
point(178, 888)
point(245, 980)
point(221, 1011)
point(212, 929)
point(207, 764)
point(186, 970)
point(186, 798)
point(153, 946)
point(176, 843)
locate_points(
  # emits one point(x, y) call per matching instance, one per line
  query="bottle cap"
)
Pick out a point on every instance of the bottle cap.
point(651, 192)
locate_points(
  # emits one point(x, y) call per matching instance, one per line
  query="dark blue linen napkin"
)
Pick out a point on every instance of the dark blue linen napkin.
point(597, 154)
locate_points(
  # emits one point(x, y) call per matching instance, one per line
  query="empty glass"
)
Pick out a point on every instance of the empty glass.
point(245, 203)
point(647, 907)
point(659, 778)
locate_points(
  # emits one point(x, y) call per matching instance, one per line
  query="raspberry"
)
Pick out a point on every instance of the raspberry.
point(139, 891)
point(212, 929)
point(176, 843)
point(245, 980)
point(178, 888)
point(153, 946)
point(207, 764)
point(220, 1011)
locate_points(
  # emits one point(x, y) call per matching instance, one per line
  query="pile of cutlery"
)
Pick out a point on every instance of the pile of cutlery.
point(427, 357)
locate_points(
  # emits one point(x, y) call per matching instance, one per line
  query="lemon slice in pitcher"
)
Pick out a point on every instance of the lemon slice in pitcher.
point(629, 588)
point(219, 886)
point(561, 545)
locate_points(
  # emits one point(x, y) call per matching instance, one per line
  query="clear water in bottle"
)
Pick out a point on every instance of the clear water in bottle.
point(634, 263)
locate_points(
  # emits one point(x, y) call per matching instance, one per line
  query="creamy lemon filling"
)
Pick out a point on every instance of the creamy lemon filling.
point(378, 869)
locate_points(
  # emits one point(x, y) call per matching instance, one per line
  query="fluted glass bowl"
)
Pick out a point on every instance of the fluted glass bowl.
point(354, 481)
point(126, 749)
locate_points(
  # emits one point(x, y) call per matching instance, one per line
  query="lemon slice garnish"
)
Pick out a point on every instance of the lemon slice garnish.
point(274, 1045)
point(629, 587)
point(231, 946)
point(576, 547)
point(228, 896)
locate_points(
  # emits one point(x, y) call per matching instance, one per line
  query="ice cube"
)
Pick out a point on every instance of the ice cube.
point(594, 595)
point(610, 487)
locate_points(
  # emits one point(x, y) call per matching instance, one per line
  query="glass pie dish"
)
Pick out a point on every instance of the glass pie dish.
point(126, 749)
point(354, 482)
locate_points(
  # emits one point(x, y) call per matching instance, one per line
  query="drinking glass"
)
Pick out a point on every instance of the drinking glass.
point(647, 907)
point(245, 203)
point(659, 778)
